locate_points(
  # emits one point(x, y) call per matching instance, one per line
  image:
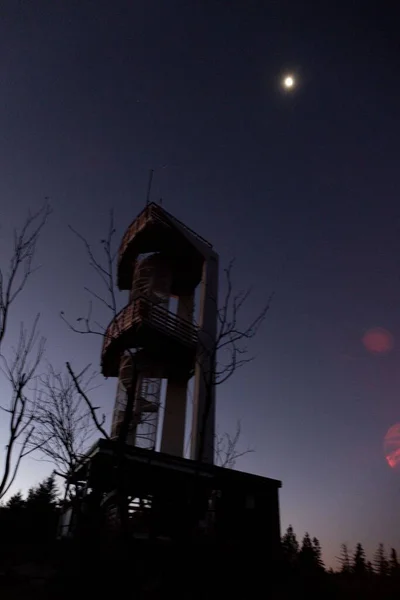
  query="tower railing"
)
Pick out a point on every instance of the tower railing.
point(133, 229)
point(155, 213)
point(140, 310)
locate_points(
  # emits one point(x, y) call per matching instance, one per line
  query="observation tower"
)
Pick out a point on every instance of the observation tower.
point(144, 488)
point(160, 258)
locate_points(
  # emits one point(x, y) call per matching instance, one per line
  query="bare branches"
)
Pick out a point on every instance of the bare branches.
point(230, 351)
point(19, 372)
point(87, 321)
point(232, 336)
point(92, 409)
point(24, 451)
point(104, 268)
point(21, 369)
point(20, 266)
point(63, 424)
point(227, 353)
point(226, 448)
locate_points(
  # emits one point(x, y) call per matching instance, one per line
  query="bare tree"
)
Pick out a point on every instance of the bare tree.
point(13, 281)
point(63, 423)
point(19, 370)
point(99, 423)
point(229, 351)
point(104, 267)
point(227, 449)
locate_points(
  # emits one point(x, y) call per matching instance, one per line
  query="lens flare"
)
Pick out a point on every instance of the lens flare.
point(392, 446)
point(378, 340)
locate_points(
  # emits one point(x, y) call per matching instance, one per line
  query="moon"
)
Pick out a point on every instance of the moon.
point(288, 82)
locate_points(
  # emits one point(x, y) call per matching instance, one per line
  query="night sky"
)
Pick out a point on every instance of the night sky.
point(301, 187)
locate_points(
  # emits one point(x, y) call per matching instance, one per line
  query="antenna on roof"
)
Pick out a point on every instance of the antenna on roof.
point(149, 186)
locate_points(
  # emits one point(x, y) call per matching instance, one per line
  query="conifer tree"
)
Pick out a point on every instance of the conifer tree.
point(318, 554)
point(344, 559)
point(380, 561)
point(394, 567)
point(290, 546)
point(359, 564)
